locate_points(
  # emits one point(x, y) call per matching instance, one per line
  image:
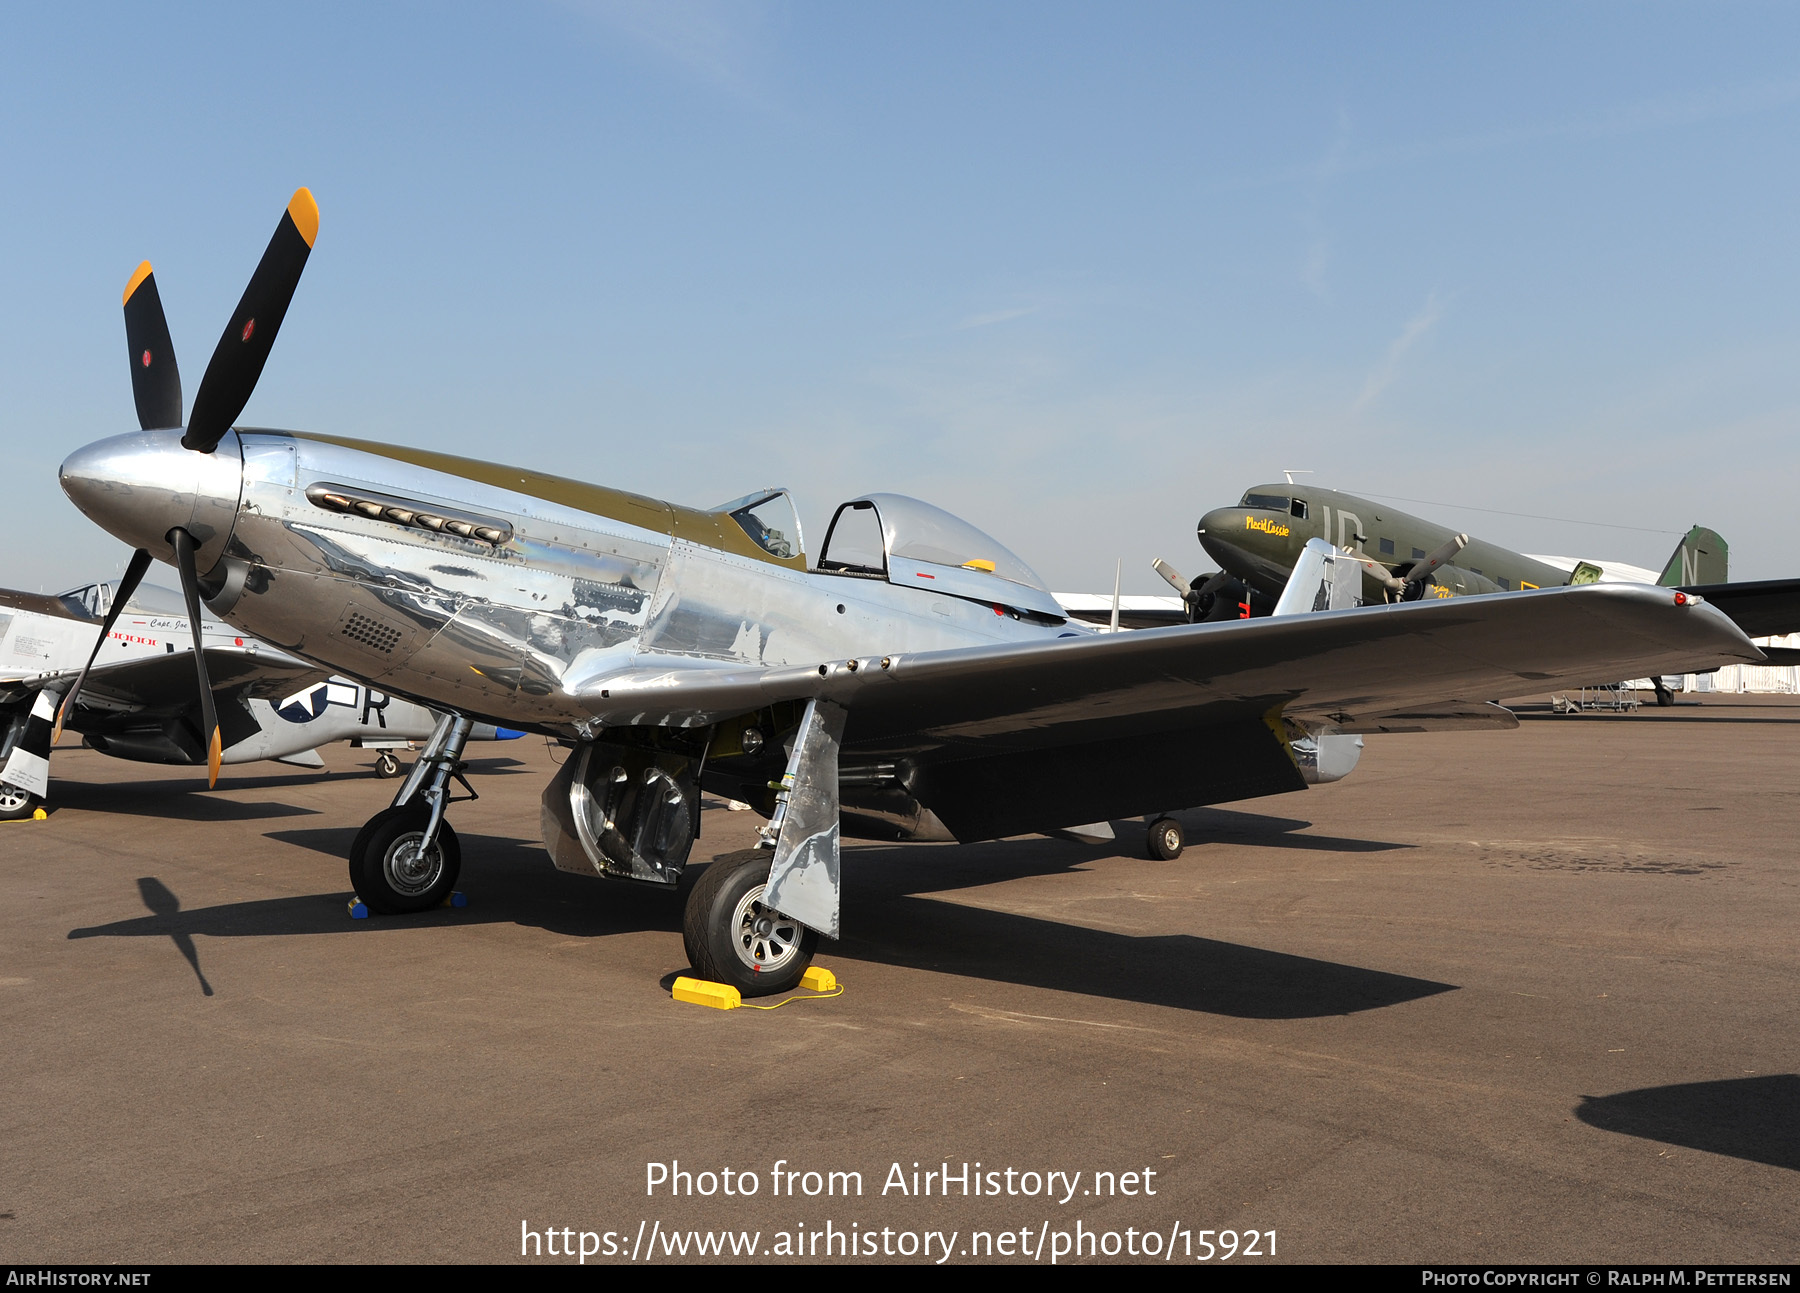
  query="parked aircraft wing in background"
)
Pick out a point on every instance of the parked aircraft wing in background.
point(139, 700)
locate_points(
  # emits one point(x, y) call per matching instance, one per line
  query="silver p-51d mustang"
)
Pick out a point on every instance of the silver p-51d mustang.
point(917, 681)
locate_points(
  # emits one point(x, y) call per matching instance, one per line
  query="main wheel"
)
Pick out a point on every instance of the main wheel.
point(1166, 839)
point(386, 765)
point(16, 804)
point(732, 938)
point(389, 870)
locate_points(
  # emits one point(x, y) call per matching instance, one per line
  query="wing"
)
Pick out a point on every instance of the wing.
point(164, 684)
point(1762, 608)
point(150, 680)
point(1005, 739)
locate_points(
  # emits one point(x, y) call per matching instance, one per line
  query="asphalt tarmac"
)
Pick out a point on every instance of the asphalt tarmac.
point(1496, 997)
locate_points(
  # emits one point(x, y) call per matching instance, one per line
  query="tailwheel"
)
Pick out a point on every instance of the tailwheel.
point(1166, 839)
point(392, 869)
point(386, 765)
point(731, 937)
point(16, 804)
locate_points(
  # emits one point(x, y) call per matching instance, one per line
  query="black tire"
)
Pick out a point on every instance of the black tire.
point(387, 766)
point(387, 872)
point(732, 938)
point(1166, 839)
point(16, 804)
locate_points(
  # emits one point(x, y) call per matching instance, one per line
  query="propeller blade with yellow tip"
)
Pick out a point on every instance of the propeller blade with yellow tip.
point(184, 545)
point(244, 348)
point(155, 380)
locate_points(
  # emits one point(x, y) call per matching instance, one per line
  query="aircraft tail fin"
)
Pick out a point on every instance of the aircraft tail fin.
point(1702, 557)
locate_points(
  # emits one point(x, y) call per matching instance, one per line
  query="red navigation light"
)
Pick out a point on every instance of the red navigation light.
point(1681, 599)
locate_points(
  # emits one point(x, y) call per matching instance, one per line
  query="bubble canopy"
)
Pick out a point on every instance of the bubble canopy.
point(926, 547)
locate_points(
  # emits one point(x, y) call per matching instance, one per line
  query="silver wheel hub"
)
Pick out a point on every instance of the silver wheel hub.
point(12, 798)
point(763, 938)
point(409, 869)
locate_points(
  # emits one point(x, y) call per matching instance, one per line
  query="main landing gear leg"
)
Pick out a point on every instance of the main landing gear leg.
point(406, 857)
point(754, 919)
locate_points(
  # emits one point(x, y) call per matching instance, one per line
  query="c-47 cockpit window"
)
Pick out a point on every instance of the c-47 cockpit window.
point(1297, 508)
point(1274, 502)
point(769, 519)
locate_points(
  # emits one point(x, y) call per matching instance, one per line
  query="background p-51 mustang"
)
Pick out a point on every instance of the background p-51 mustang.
point(140, 701)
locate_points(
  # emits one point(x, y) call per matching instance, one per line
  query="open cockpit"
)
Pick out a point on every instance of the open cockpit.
point(900, 541)
point(913, 544)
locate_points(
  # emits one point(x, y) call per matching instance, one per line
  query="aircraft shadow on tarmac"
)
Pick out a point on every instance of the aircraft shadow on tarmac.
point(158, 898)
point(1230, 826)
point(1754, 1118)
point(1647, 715)
point(889, 919)
point(173, 801)
point(183, 798)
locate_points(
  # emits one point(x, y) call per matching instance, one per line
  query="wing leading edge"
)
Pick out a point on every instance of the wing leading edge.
point(165, 683)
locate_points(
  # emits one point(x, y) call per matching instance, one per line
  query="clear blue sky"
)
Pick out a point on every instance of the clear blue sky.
point(1077, 272)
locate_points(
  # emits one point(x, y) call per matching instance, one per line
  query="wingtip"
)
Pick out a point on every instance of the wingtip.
point(138, 276)
point(305, 214)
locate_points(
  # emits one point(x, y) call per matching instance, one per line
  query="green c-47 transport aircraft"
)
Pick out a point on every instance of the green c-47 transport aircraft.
point(1404, 557)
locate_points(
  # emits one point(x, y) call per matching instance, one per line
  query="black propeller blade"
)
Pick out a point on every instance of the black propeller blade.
point(140, 562)
point(184, 545)
point(244, 348)
point(155, 381)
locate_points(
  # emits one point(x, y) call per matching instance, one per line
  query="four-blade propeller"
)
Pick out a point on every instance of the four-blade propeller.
point(230, 377)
